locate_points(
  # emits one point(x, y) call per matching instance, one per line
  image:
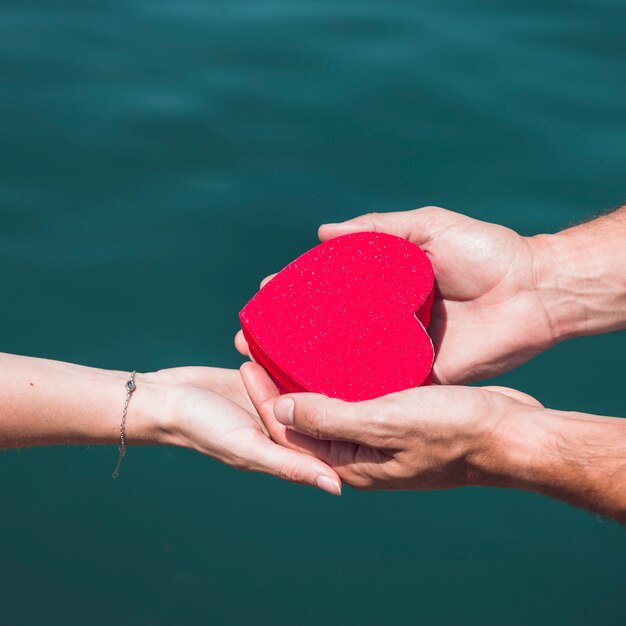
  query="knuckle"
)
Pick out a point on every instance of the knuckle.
point(428, 214)
point(242, 463)
point(430, 208)
point(290, 471)
point(386, 415)
point(371, 221)
point(318, 421)
point(380, 423)
point(360, 482)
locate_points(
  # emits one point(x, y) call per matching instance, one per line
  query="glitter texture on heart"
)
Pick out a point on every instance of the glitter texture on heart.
point(347, 319)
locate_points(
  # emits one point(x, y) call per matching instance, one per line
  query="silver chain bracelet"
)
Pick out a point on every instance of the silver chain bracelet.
point(130, 387)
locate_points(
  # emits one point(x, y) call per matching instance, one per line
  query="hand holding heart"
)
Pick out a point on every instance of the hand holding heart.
point(500, 299)
point(183, 397)
point(427, 438)
point(346, 319)
point(488, 316)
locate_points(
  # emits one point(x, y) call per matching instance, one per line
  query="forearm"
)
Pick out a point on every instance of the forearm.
point(581, 276)
point(569, 456)
point(45, 402)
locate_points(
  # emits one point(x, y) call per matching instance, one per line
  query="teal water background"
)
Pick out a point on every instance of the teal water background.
point(156, 160)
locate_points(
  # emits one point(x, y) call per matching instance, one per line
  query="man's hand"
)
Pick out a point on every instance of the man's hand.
point(440, 437)
point(502, 298)
point(424, 438)
point(488, 316)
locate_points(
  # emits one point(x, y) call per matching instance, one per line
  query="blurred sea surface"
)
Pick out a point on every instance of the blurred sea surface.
point(157, 159)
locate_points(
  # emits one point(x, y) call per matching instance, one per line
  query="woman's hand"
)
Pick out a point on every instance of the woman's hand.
point(207, 409)
point(488, 315)
point(44, 402)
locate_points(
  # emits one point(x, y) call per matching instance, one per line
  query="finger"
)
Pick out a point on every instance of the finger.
point(263, 394)
point(520, 396)
point(352, 462)
point(270, 458)
point(326, 418)
point(416, 226)
point(241, 344)
point(266, 280)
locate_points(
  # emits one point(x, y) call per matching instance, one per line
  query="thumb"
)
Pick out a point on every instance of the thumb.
point(416, 226)
point(520, 396)
point(327, 418)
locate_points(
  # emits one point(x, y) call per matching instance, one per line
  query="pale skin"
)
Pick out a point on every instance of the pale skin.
point(435, 437)
point(443, 437)
point(502, 298)
point(206, 409)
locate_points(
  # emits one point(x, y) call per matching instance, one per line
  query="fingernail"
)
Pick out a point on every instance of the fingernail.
point(283, 411)
point(329, 485)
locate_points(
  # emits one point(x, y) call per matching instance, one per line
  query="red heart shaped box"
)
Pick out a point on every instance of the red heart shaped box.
point(346, 319)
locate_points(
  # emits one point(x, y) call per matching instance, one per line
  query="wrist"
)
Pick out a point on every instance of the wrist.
point(102, 392)
point(558, 287)
point(512, 452)
point(580, 277)
point(150, 415)
point(570, 456)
